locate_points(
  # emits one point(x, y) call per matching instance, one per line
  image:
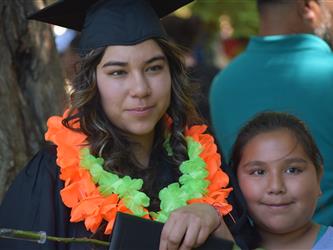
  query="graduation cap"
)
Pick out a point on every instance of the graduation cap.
point(110, 22)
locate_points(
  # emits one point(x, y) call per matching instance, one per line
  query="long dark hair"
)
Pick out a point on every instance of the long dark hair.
point(270, 121)
point(108, 141)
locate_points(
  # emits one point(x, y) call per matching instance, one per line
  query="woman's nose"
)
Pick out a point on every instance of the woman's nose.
point(140, 86)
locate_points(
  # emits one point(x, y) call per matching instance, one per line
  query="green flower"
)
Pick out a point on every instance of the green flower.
point(192, 183)
point(136, 201)
point(172, 197)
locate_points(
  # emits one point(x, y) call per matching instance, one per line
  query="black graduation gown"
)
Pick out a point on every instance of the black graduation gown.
point(33, 203)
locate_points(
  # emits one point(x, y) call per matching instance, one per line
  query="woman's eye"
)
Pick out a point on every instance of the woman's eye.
point(117, 73)
point(293, 170)
point(155, 68)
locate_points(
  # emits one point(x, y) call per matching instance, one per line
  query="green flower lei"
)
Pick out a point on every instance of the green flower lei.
point(191, 185)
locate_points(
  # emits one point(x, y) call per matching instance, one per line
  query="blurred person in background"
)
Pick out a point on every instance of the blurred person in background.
point(288, 68)
point(190, 35)
point(67, 43)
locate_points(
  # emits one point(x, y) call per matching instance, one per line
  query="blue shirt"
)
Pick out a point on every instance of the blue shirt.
point(324, 238)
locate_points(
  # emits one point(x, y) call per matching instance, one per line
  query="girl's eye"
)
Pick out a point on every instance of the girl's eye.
point(293, 170)
point(155, 68)
point(257, 172)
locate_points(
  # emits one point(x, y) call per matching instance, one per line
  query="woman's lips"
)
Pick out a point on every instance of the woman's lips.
point(140, 111)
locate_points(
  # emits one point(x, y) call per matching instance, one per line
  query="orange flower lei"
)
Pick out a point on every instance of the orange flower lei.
point(82, 195)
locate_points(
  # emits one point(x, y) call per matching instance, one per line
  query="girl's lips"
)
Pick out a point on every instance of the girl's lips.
point(278, 206)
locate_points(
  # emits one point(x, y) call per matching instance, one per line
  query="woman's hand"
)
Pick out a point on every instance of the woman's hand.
point(189, 227)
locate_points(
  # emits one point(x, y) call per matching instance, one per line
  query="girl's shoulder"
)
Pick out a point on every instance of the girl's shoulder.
point(325, 240)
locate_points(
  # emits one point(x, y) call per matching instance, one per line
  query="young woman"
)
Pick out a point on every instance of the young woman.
point(129, 141)
point(279, 167)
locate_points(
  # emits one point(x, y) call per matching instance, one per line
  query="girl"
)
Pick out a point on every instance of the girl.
point(279, 167)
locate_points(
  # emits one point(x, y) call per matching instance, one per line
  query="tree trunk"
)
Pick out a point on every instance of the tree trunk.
point(31, 85)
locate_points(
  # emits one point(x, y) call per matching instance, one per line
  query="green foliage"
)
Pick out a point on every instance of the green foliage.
point(243, 15)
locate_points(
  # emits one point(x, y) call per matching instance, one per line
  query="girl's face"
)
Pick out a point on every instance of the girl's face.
point(279, 182)
point(134, 83)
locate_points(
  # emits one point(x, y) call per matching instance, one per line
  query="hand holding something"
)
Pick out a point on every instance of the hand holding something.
point(189, 227)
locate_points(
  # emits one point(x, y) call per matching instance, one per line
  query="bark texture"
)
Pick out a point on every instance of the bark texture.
point(31, 85)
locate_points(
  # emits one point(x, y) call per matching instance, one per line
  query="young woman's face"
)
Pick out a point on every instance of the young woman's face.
point(134, 83)
point(279, 182)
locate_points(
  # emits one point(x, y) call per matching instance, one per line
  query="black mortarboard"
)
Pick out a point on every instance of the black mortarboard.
point(110, 22)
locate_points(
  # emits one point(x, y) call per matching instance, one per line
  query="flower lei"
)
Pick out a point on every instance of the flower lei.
point(94, 194)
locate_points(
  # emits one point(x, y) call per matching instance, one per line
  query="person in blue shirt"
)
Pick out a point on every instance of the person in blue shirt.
point(288, 68)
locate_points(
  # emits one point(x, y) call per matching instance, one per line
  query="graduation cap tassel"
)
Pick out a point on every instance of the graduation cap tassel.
point(41, 237)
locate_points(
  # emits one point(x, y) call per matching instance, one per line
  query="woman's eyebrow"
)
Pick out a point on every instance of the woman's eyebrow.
point(114, 63)
point(156, 58)
point(120, 63)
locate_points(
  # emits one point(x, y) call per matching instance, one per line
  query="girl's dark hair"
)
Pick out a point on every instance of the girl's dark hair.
point(247, 236)
point(270, 121)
